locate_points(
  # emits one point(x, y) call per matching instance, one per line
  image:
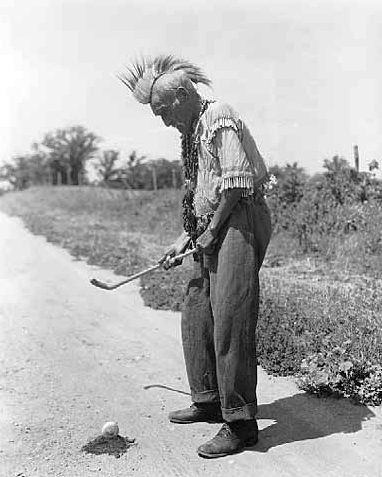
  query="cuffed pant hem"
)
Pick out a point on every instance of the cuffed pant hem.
point(244, 413)
point(205, 397)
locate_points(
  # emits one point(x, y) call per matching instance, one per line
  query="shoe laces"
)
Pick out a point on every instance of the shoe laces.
point(225, 431)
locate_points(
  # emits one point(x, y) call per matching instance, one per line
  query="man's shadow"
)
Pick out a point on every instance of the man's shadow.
point(303, 417)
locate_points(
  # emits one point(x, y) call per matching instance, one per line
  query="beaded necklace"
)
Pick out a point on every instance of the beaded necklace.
point(190, 163)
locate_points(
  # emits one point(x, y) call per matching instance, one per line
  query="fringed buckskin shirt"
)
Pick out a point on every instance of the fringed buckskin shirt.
point(228, 158)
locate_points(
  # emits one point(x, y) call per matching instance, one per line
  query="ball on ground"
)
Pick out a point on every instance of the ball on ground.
point(110, 429)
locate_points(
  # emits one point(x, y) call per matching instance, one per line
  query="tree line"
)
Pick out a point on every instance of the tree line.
point(63, 154)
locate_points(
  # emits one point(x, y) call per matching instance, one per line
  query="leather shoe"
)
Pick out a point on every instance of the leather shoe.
point(198, 412)
point(232, 437)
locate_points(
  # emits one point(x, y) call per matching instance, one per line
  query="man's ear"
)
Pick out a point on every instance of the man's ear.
point(181, 94)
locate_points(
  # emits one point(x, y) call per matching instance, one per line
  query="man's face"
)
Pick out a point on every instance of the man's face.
point(173, 106)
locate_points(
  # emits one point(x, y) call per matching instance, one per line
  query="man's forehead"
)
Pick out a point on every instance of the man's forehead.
point(156, 101)
point(160, 99)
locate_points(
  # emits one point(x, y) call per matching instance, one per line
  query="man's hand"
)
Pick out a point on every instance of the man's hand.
point(206, 242)
point(178, 247)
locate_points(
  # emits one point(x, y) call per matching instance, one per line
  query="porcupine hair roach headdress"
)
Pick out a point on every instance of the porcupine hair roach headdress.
point(142, 74)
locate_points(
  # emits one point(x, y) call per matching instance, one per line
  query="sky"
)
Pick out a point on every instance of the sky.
point(306, 76)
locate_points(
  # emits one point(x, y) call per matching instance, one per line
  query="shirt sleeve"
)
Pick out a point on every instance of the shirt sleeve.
point(235, 167)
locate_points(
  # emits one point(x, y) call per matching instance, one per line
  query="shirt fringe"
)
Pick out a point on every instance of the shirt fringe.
point(239, 182)
point(220, 123)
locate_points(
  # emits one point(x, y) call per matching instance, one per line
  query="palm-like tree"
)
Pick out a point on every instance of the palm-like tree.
point(69, 149)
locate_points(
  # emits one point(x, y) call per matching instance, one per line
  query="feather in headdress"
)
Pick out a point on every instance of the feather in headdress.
point(141, 76)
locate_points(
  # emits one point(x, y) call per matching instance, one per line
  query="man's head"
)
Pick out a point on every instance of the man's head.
point(167, 83)
point(175, 99)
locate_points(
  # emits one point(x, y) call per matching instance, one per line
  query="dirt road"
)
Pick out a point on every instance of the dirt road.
point(73, 357)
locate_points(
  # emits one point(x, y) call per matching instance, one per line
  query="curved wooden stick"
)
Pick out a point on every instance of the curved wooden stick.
point(105, 286)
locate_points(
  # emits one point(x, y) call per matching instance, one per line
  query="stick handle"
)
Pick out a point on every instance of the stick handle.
point(137, 275)
point(184, 255)
point(154, 267)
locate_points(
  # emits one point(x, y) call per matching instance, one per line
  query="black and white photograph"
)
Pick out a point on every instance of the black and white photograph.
point(191, 238)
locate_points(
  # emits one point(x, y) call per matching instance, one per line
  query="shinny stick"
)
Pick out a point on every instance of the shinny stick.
point(105, 286)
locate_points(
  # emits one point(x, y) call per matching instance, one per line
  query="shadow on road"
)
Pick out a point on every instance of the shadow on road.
point(303, 417)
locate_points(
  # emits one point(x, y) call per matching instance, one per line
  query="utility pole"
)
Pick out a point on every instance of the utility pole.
point(155, 182)
point(356, 158)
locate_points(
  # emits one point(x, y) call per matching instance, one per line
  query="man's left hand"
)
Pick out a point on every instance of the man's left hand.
point(206, 242)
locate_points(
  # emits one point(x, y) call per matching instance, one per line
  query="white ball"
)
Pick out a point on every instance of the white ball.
point(110, 429)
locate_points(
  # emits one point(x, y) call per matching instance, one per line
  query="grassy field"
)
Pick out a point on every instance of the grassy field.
point(322, 324)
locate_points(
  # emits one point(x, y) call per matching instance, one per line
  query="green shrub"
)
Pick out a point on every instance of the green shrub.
point(339, 374)
point(329, 336)
point(335, 216)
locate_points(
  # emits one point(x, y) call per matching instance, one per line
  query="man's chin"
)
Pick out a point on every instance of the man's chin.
point(181, 127)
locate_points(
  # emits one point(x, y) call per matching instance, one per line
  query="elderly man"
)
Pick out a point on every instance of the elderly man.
point(226, 218)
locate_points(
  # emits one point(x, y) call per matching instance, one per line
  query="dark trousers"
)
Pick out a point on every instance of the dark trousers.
point(220, 314)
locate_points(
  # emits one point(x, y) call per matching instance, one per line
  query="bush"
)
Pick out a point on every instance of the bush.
point(330, 337)
point(286, 194)
point(335, 216)
point(336, 373)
